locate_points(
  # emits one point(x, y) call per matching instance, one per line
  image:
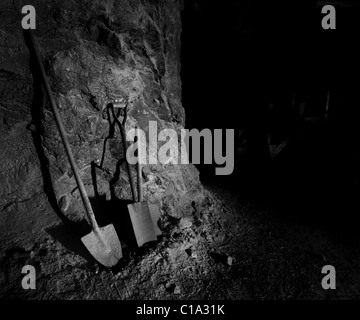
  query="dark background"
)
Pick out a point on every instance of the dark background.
point(239, 56)
point(241, 53)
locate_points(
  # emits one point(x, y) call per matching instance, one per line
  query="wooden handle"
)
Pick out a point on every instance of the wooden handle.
point(83, 193)
point(125, 145)
point(139, 170)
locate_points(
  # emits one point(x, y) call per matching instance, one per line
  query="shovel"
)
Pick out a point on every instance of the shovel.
point(139, 211)
point(102, 243)
point(153, 208)
point(146, 208)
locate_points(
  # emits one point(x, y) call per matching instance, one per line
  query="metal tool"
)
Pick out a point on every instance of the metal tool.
point(102, 243)
point(153, 209)
point(139, 210)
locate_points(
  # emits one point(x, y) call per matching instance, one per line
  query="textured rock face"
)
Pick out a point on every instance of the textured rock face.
point(94, 52)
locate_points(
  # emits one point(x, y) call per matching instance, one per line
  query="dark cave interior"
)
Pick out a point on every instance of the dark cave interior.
point(279, 53)
point(265, 69)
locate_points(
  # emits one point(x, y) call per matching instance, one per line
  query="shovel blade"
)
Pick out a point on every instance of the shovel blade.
point(104, 246)
point(142, 222)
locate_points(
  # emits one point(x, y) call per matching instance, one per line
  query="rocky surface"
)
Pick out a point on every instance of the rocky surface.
point(97, 51)
point(224, 249)
point(93, 52)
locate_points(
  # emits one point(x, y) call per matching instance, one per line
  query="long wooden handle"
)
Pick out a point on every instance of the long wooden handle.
point(125, 145)
point(139, 169)
point(83, 193)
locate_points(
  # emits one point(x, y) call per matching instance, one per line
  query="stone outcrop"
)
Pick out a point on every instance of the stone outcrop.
point(93, 52)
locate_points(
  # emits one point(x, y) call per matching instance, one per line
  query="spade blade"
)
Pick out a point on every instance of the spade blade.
point(104, 246)
point(142, 222)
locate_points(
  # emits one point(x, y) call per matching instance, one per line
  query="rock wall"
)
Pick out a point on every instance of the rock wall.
point(93, 52)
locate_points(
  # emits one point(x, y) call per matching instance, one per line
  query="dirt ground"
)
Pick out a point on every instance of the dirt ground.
point(224, 249)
